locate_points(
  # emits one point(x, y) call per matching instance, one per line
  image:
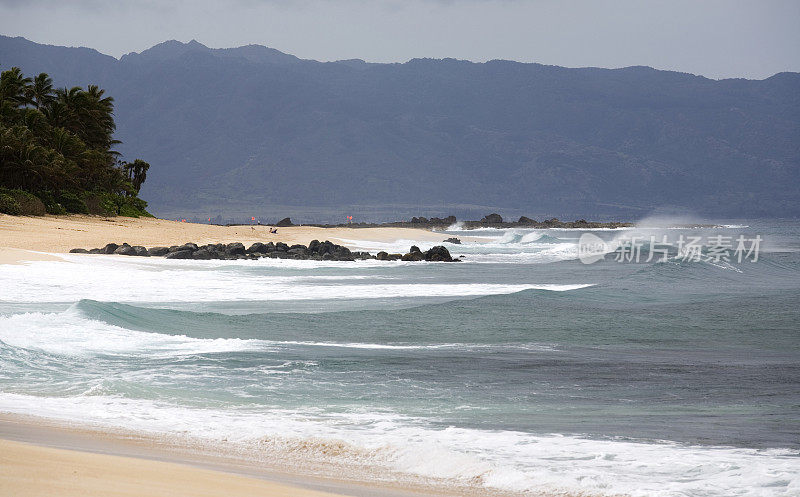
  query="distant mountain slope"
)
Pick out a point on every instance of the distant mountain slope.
point(251, 129)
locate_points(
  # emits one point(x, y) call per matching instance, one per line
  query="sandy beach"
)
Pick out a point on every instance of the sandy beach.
point(31, 470)
point(58, 234)
point(42, 457)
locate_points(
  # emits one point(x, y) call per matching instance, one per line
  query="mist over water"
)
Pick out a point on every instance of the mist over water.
point(519, 369)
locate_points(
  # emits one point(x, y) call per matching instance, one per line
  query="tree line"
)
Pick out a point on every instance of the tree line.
point(57, 144)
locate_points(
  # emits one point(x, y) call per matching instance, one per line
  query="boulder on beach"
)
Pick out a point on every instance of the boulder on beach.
point(158, 251)
point(257, 248)
point(453, 240)
point(109, 249)
point(526, 220)
point(140, 251)
point(78, 251)
point(180, 254)
point(438, 254)
point(235, 248)
point(284, 222)
point(125, 249)
point(202, 254)
point(414, 256)
point(493, 218)
point(191, 247)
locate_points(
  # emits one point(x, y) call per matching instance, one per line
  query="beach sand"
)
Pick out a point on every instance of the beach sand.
point(30, 471)
point(58, 234)
point(43, 457)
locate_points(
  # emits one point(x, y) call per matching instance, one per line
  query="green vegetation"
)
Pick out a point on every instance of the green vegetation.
point(56, 151)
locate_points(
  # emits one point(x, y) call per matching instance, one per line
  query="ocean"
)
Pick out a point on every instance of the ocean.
point(520, 369)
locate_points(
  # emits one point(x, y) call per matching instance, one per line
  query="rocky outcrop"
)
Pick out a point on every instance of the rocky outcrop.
point(284, 222)
point(109, 249)
point(179, 254)
point(316, 250)
point(125, 249)
point(453, 240)
point(493, 218)
point(438, 254)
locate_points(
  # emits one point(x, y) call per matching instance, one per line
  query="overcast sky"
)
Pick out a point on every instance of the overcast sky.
point(715, 38)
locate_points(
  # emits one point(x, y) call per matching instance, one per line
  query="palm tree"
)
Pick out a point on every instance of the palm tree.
point(13, 85)
point(136, 172)
point(41, 91)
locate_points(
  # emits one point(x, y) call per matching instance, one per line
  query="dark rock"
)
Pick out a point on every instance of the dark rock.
point(414, 248)
point(235, 248)
point(281, 247)
point(284, 222)
point(526, 220)
point(341, 251)
point(186, 246)
point(158, 251)
point(327, 257)
point(552, 222)
point(125, 249)
point(140, 251)
point(202, 254)
point(301, 251)
point(382, 256)
point(314, 246)
point(420, 220)
point(78, 251)
point(395, 257)
point(414, 256)
point(492, 219)
point(110, 248)
point(326, 247)
point(96, 251)
point(453, 240)
point(438, 254)
point(180, 254)
point(257, 248)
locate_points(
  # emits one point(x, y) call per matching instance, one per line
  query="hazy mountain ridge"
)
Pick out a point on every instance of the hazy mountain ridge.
point(251, 128)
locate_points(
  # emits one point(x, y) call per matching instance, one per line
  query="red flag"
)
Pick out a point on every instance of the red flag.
point(253, 218)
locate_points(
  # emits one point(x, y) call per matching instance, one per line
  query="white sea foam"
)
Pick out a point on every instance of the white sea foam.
point(507, 460)
point(165, 281)
point(69, 333)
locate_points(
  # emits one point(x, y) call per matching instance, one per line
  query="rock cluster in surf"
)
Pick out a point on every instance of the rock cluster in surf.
point(316, 250)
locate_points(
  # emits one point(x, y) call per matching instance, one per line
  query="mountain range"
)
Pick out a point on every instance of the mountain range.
point(254, 131)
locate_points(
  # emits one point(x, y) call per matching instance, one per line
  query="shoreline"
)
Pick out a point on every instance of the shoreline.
point(27, 440)
point(28, 238)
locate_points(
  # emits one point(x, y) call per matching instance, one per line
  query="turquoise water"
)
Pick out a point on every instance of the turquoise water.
point(520, 369)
